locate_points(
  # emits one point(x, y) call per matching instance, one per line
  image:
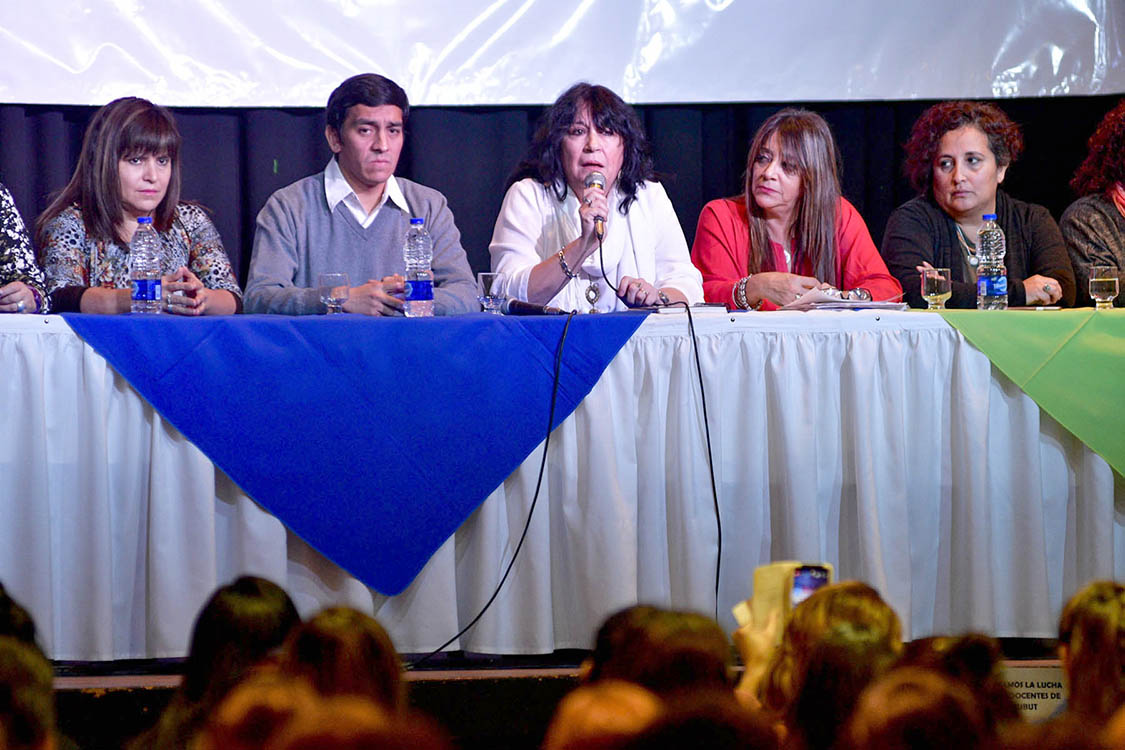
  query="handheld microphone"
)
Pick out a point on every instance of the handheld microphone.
point(519, 307)
point(597, 179)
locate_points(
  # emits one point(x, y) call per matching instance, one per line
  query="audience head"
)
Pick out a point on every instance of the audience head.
point(838, 668)
point(849, 602)
point(1066, 732)
point(256, 710)
point(27, 703)
point(1092, 649)
point(237, 629)
point(342, 651)
point(356, 723)
point(662, 650)
point(1104, 166)
point(959, 153)
point(129, 166)
point(793, 174)
point(602, 715)
point(707, 719)
point(619, 147)
point(917, 709)
point(976, 662)
point(15, 621)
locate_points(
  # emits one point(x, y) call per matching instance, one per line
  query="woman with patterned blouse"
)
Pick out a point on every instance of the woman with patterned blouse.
point(21, 281)
point(128, 168)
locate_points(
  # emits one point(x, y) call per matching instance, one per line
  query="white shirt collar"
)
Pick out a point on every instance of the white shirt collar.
point(337, 189)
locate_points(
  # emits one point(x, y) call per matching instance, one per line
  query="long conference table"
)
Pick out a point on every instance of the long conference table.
point(883, 442)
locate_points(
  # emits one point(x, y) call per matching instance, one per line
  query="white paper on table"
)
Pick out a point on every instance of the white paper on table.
point(829, 299)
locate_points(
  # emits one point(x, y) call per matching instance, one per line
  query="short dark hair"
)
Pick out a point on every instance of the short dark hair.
point(369, 89)
point(27, 704)
point(1004, 137)
point(609, 113)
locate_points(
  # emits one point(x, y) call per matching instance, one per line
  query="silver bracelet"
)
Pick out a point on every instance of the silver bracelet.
point(740, 293)
point(566, 269)
point(859, 295)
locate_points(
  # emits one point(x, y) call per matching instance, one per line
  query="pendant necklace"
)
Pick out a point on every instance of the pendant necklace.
point(593, 294)
point(969, 248)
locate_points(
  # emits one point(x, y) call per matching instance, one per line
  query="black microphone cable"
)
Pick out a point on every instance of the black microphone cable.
point(530, 510)
point(706, 423)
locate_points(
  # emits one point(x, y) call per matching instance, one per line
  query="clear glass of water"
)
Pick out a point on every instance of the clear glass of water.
point(1103, 286)
point(488, 292)
point(936, 287)
point(333, 291)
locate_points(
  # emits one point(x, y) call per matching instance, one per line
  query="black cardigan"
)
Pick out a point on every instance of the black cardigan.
point(919, 230)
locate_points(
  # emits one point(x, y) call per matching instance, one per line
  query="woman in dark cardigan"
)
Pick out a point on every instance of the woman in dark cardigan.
point(1094, 225)
point(956, 158)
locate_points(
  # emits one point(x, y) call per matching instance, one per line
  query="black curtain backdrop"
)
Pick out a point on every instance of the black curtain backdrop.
point(233, 159)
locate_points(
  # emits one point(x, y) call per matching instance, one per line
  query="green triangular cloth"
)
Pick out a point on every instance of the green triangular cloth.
point(1070, 362)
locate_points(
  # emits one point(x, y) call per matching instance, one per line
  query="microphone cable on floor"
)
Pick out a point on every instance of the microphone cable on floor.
point(530, 511)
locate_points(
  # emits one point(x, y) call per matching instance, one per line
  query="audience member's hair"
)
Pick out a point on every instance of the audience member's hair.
point(342, 651)
point(610, 114)
point(849, 602)
point(602, 715)
point(124, 128)
point(1066, 732)
point(917, 709)
point(1104, 165)
point(356, 723)
point(1092, 647)
point(27, 703)
point(710, 719)
point(838, 668)
point(15, 621)
point(975, 661)
point(662, 650)
point(368, 89)
point(237, 629)
point(1004, 137)
point(255, 710)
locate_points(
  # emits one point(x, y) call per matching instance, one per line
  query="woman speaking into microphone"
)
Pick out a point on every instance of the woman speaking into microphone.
point(584, 225)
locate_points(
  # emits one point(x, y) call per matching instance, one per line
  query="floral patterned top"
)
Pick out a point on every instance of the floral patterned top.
point(17, 260)
point(73, 260)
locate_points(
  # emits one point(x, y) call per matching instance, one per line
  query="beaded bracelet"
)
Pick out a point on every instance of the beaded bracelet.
point(740, 293)
point(566, 269)
point(38, 299)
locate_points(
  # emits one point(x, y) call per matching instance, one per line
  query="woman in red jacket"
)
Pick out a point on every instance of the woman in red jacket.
point(791, 230)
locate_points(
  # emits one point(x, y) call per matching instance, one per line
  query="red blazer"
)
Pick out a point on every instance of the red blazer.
point(723, 236)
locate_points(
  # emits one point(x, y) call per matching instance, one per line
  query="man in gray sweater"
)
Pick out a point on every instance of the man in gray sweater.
point(352, 218)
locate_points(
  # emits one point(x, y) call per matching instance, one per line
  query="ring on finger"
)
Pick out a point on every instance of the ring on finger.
point(21, 306)
point(587, 201)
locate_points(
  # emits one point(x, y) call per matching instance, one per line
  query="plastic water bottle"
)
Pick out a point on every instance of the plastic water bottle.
point(992, 276)
point(418, 252)
point(144, 268)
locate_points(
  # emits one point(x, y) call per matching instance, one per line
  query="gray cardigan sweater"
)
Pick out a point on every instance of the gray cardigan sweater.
point(1094, 231)
point(297, 239)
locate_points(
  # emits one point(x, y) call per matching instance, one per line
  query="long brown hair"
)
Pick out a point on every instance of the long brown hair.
point(805, 140)
point(123, 128)
point(1092, 627)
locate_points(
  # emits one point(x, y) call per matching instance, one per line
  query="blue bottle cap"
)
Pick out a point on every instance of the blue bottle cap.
point(417, 221)
point(144, 219)
point(990, 217)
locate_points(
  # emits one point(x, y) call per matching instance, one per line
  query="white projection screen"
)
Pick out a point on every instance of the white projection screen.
point(240, 53)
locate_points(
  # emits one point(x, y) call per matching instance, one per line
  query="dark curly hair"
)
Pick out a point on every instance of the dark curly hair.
point(610, 114)
point(1004, 137)
point(1105, 162)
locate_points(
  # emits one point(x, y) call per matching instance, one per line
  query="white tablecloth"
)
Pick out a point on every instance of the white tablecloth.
point(882, 443)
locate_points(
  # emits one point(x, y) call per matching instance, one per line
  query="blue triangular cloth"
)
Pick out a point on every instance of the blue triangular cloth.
point(372, 439)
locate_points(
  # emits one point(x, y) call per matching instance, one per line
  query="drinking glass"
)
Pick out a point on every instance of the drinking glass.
point(333, 291)
point(1103, 285)
point(936, 287)
point(488, 293)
